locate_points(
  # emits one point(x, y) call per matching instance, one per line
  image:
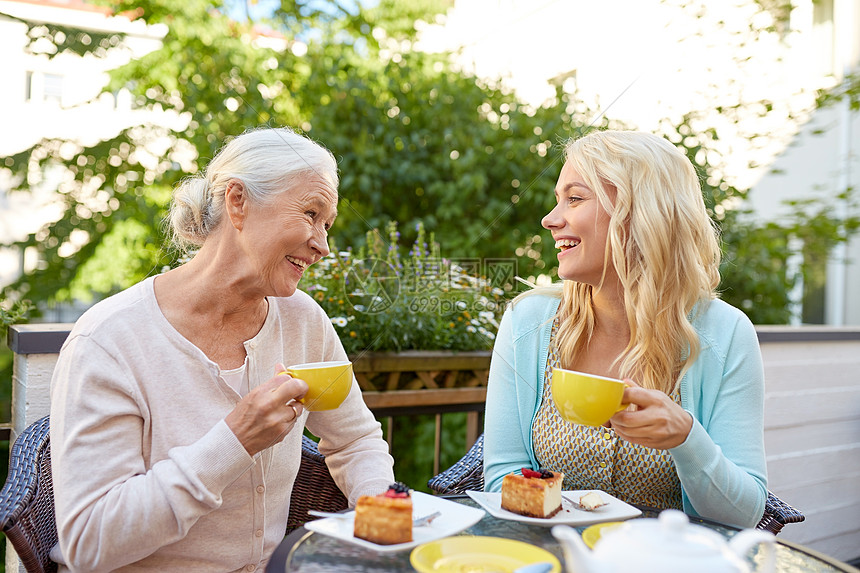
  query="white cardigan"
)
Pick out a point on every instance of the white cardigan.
point(149, 477)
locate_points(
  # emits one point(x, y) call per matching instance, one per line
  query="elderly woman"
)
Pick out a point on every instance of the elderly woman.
point(639, 259)
point(175, 443)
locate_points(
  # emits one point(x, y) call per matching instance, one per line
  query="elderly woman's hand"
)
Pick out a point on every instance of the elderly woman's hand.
point(268, 412)
point(656, 421)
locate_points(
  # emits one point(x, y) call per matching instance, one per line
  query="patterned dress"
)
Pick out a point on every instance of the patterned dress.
point(596, 458)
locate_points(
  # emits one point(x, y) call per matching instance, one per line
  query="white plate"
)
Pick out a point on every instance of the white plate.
point(454, 518)
point(614, 510)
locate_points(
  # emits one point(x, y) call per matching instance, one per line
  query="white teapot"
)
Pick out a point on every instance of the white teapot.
point(668, 544)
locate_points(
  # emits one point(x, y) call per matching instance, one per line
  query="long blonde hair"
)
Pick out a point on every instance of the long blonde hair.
point(662, 244)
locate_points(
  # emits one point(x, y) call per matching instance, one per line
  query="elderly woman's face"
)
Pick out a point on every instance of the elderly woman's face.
point(283, 238)
point(579, 227)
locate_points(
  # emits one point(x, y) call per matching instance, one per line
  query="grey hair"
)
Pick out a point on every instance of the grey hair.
point(268, 161)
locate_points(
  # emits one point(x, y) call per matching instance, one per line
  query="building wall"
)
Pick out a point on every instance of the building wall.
point(63, 99)
point(818, 165)
point(823, 160)
point(57, 97)
point(812, 439)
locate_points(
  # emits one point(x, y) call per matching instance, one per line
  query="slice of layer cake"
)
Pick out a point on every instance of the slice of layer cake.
point(385, 519)
point(533, 494)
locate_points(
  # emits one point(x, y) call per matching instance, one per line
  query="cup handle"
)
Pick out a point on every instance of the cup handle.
point(291, 373)
point(623, 407)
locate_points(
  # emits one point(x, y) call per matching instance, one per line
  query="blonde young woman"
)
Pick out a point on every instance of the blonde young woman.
point(639, 258)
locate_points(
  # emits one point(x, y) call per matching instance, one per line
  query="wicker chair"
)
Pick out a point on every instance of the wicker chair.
point(27, 499)
point(468, 473)
point(314, 487)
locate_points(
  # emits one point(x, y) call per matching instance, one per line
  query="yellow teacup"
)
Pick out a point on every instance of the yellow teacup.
point(328, 383)
point(586, 399)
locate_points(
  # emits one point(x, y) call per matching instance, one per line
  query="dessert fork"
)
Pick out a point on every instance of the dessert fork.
point(417, 522)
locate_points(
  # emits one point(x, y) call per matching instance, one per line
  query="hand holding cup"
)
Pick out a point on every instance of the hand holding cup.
point(269, 411)
point(657, 422)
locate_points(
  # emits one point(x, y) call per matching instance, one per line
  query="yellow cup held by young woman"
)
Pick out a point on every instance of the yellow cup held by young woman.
point(328, 383)
point(586, 399)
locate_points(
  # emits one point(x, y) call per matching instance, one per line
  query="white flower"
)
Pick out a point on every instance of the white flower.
point(339, 321)
point(486, 315)
point(471, 329)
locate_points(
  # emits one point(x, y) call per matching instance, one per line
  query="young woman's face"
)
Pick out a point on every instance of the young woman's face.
point(579, 227)
point(283, 238)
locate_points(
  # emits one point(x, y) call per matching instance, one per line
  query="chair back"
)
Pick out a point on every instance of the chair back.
point(314, 488)
point(27, 499)
point(468, 473)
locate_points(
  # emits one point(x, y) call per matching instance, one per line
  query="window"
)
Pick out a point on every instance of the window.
point(53, 85)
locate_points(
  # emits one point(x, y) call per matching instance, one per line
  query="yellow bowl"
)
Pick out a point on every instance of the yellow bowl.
point(586, 399)
point(591, 535)
point(328, 383)
point(477, 554)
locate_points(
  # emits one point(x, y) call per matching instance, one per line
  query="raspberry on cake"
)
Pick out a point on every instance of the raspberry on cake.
point(385, 519)
point(533, 494)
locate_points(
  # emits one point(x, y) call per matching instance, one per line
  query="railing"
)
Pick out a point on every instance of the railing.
point(427, 382)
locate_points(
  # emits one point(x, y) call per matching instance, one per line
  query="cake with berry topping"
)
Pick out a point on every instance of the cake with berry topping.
point(385, 519)
point(533, 494)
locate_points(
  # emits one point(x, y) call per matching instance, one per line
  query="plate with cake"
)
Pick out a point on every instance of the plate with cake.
point(536, 497)
point(384, 522)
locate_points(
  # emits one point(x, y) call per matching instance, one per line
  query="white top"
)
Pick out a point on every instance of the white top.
point(237, 378)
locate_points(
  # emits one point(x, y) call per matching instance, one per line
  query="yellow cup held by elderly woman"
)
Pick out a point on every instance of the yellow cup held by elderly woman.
point(328, 383)
point(586, 399)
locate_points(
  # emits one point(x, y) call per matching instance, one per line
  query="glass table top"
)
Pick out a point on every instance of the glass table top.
point(306, 552)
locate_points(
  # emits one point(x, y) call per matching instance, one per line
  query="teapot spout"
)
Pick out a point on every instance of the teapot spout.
point(745, 540)
point(577, 557)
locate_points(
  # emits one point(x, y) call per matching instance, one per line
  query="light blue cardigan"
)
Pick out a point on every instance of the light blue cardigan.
point(721, 465)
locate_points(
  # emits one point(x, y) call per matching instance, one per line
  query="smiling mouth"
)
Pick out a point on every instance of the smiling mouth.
point(298, 262)
point(565, 244)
